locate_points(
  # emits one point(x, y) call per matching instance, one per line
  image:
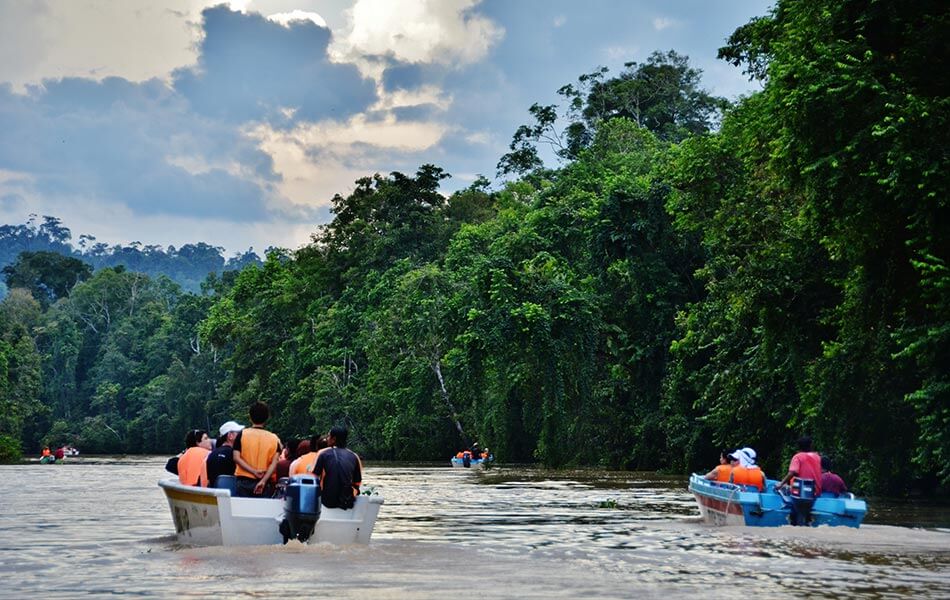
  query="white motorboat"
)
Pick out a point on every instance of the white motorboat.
point(212, 517)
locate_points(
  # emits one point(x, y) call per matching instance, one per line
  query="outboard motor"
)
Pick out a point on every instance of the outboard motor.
point(301, 507)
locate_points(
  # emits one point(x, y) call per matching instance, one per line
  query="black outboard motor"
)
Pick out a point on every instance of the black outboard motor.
point(301, 507)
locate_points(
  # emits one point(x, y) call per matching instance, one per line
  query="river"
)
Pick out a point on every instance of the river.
point(100, 527)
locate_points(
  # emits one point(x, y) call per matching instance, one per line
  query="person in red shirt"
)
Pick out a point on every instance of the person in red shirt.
point(831, 483)
point(806, 466)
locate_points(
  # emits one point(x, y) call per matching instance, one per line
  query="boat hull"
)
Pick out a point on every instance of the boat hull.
point(212, 517)
point(458, 463)
point(727, 504)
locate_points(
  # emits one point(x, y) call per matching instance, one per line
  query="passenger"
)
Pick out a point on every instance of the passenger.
point(221, 459)
point(805, 466)
point(747, 473)
point(299, 466)
point(192, 465)
point(340, 471)
point(256, 452)
point(287, 456)
point(308, 451)
point(723, 472)
point(831, 483)
point(46, 452)
point(60, 453)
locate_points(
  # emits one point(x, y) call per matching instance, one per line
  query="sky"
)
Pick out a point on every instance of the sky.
point(177, 121)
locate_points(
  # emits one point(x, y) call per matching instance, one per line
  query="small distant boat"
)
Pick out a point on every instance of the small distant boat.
point(212, 517)
point(474, 463)
point(730, 504)
point(70, 451)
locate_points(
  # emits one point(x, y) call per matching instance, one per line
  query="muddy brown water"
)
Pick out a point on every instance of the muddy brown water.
point(100, 527)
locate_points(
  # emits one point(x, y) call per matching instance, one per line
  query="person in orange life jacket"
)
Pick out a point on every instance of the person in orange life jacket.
point(221, 459)
point(831, 483)
point(805, 464)
point(308, 451)
point(747, 472)
point(192, 466)
point(256, 452)
point(340, 471)
point(722, 472)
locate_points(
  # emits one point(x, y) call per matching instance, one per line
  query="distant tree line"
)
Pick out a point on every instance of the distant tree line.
point(691, 276)
point(188, 265)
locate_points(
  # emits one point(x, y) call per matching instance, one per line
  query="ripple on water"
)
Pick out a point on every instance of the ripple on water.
point(100, 526)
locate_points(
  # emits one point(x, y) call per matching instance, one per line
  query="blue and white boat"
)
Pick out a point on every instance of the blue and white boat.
point(474, 463)
point(731, 504)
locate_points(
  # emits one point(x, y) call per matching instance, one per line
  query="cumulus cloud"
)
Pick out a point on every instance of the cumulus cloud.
point(446, 32)
point(286, 18)
point(134, 39)
point(251, 68)
point(108, 140)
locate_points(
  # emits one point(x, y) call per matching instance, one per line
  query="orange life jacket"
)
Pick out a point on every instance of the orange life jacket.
point(258, 449)
point(724, 473)
point(303, 464)
point(193, 466)
point(46, 452)
point(459, 455)
point(752, 476)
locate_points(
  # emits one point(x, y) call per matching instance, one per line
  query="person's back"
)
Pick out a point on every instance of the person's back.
point(806, 465)
point(255, 454)
point(831, 483)
point(750, 476)
point(192, 468)
point(307, 460)
point(60, 454)
point(340, 472)
point(723, 472)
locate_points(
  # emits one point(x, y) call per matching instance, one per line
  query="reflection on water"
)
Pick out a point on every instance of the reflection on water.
point(100, 527)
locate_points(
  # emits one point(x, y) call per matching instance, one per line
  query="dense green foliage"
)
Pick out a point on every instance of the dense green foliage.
point(677, 286)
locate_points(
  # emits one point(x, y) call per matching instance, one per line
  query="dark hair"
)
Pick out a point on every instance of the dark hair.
point(259, 413)
point(318, 442)
point(804, 444)
point(339, 434)
point(825, 463)
point(193, 437)
point(222, 440)
point(291, 447)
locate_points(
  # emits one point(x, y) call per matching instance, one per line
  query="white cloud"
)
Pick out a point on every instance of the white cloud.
point(417, 31)
point(318, 160)
point(559, 20)
point(661, 23)
point(134, 39)
point(621, 53)
point(286, 18)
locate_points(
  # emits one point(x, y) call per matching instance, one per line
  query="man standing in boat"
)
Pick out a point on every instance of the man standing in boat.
point(256, 451)
point(804, 473)
point(340, 471)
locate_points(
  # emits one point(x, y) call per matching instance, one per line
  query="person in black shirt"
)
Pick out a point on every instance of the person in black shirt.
point(221, 459)
point(340, 471)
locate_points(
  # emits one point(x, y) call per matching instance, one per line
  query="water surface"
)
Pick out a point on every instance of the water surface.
point(101, 528)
